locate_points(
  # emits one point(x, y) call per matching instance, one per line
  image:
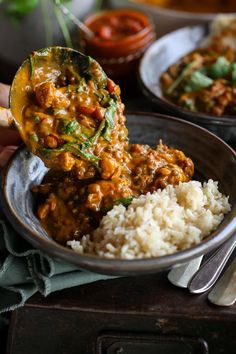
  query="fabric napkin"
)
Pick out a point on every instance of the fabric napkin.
point(25, 270)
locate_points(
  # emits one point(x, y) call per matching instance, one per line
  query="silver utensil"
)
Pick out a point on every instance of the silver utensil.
point(181, 275)
point(87, 31)
point(210, 271)
point(224, 292)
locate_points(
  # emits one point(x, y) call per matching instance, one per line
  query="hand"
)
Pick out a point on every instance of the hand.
point(4, 94)
point(9, 137)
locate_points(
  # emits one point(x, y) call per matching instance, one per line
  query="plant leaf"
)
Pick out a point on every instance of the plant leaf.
point(68, 127)
point(219, 69)
point(124, 201)
point(197, 82)
point(180, 78)
point(109, 119)
point(233, 68)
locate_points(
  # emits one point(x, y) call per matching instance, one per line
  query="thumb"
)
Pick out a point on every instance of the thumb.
point(4, 94)
point(5, 154)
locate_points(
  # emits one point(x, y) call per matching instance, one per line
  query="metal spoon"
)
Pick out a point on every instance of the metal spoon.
point(210, 271)
point(44, 67)
point(224, 292)
point(87, 31)
point(181, 275)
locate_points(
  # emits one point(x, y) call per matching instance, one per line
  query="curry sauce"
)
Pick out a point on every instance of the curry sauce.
point(73, 118)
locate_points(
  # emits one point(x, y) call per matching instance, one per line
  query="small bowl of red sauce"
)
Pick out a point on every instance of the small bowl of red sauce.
point(121, 36)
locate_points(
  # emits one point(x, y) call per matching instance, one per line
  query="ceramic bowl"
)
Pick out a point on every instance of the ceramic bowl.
point(160, 55)
point(166, 20)
point(212, 157)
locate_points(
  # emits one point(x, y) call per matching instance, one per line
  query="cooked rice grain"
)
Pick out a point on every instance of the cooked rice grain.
point(158, 224)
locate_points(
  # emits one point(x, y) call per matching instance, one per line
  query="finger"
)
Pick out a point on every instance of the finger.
point(6, 118)
point(4, 95)
point(9, 137)
point(5, 154)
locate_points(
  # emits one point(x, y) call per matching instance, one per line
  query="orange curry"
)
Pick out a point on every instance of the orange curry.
point(211, 6)
point(74, 120)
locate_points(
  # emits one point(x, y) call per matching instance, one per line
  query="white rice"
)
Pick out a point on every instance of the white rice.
point(218, 25)
point(158, 224)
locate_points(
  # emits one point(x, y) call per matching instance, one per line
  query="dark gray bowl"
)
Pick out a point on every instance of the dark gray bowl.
point(212, 157)
point(160, 55)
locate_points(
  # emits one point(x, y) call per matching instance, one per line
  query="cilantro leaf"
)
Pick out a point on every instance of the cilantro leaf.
point(197, 81)
point(109, 119)
point(219, 69)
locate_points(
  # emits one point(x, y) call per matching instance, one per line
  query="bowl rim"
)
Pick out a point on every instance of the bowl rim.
point(224, 120)
point(180, 14)
point(115, 266)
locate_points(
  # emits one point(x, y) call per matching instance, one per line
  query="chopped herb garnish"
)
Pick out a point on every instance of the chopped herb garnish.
point(219, 69)
point(109, 119)
point(101, 79)
point(75, 149)
point(124, 201)
point(46, 152)
point(68, 127)
point(181, 77)
point(99, 95)
point(189, 104)
point(34, 137)
point(233, 68)
point(94, 138)
point(37, 119)
point(197, 81)
point(81, 86)
point(79, 150)
point(54, 111)
point(114, 96)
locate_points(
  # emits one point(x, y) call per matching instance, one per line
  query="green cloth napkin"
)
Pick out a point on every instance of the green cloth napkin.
point(25, 270)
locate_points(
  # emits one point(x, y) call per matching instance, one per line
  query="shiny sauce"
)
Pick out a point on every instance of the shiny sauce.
point(74, 120)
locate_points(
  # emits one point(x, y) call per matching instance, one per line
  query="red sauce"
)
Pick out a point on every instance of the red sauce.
point(121, 38)
point(116, 26)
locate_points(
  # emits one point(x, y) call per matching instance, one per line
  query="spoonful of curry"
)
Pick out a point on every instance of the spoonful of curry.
point(70, 115)
point(68, 112)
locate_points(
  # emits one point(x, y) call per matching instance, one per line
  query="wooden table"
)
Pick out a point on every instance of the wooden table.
point(138, 315)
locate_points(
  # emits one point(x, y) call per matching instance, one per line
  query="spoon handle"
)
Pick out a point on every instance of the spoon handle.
point(181, 275)
point(74, 19)
point(224, 292)
point(209, 272)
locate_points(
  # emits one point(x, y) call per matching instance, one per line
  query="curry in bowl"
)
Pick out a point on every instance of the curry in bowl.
point(205, 79)
point(75, 122)
point(211, 156)
point(71, 115)
point(207, 6)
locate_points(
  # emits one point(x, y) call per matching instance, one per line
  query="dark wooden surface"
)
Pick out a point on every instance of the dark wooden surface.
point(129, 313)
